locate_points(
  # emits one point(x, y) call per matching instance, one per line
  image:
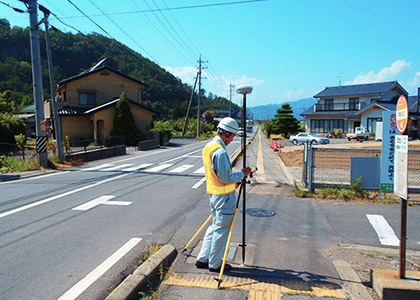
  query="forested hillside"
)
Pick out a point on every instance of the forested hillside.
point(75, 53)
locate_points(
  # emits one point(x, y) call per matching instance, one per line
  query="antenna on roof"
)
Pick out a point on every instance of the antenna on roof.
point(98, 64)
point(339, 79)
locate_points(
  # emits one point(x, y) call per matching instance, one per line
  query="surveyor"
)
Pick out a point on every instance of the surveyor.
point(221, 185)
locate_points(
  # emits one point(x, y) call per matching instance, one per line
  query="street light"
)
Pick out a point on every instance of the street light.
point(243, 90)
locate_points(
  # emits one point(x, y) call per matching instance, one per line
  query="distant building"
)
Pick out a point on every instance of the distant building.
point(351, 106)
point(86, 103)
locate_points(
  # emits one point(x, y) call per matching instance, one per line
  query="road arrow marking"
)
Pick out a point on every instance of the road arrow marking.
point(135, 168)
point(383, 230)
point(199, 171)
point(117, 167)
point(103, 200)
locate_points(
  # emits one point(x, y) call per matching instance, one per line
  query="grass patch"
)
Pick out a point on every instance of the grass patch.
point(11, 164)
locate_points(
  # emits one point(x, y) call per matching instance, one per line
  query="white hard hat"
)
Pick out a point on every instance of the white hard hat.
point(229, 125)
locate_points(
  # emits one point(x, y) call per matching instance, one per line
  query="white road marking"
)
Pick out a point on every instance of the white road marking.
point(181, 169)
point(103, 200)
point(97, 167)
point(199, 171)
point(117, 167)
point(383, 230)
point(135, 168)
point(158, 168)
point(100, 270)
point(198, 184)
point(25, 207)
point(178, 157)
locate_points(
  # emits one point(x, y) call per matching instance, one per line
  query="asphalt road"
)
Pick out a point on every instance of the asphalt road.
point(75, 232)
point(56, 229)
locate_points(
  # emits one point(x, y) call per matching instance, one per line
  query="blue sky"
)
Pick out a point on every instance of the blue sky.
point(286, 49)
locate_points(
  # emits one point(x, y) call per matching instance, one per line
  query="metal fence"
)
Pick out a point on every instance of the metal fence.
point(326, 167)
point(77, 145)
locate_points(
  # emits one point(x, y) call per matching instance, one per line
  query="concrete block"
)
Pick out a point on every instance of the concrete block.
point(389, 286)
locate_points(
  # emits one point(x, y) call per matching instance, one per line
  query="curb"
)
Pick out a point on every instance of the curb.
point(137, 281)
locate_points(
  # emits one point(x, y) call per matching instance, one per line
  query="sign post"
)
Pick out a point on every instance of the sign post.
point(400, 176)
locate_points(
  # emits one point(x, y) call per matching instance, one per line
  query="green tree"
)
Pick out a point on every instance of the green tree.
point(284, 122)
point(124, 123)
point(21, 143)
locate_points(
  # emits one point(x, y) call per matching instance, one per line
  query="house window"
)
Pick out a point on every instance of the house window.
point(371, 124)
point(87, 98)
point(336, 124)
point(353, 103)
point(329, 104)
point(319, 126)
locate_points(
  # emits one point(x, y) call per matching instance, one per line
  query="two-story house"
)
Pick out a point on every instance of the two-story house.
point(347, 107)
point(86, 102)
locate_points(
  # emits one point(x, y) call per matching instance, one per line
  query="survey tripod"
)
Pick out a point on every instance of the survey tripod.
point(244, 181)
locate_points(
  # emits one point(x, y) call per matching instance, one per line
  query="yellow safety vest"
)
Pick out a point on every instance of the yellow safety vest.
point(214, 185)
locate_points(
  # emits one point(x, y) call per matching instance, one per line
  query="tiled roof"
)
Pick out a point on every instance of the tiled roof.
point(71, 110)
point(113, 102)
point(359, 89)
point(98, 69)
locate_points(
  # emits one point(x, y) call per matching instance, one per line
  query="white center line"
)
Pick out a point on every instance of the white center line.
point(100, 270)
point(383, 230)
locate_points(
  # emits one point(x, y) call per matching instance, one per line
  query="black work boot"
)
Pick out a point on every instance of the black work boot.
point(227, 268)
point(201, 265)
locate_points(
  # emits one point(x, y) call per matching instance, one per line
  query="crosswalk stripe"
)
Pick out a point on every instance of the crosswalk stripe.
point(199, 183)
point(135, 168)
point(199, 171)
point(97, 167)
point(383, 230)
point(117, 167)
point(158, 168)
point(181, 169)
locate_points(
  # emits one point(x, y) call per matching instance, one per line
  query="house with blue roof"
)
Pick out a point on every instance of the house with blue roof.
point(351, 106)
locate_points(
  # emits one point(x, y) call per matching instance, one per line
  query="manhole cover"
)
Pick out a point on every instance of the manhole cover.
point(259, 212)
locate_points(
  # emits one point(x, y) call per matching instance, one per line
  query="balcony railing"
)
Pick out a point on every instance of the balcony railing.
point(338, 106)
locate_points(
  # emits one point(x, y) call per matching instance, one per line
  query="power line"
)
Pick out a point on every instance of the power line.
point(170, 8)
point(14, 8)
point(109, 18)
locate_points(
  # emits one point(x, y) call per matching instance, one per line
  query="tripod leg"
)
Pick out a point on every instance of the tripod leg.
point(219, 280)
point(197, 233)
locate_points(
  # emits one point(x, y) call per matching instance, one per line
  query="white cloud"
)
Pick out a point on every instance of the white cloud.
point(186, 74)
point(294, 95)
point(386, 74)
point(415, 82)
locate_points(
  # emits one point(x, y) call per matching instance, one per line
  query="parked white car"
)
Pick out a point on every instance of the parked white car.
point(308, 137)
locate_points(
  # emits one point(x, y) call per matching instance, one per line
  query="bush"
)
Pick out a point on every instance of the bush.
point(10, 164)
point(338, 132)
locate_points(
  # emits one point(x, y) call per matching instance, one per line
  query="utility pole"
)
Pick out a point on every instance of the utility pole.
point(189, 106)
point(41, 135)
point(200, 68)
point(57, 126)
point(199, 92)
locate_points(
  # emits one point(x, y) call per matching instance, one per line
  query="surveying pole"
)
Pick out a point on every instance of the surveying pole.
point(244, 90)
point(57, 126)
point(41, 135)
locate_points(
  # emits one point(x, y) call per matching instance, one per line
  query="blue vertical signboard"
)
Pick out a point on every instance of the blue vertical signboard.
point(390, 130)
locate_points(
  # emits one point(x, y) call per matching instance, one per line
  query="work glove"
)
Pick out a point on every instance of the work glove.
point(246, 171)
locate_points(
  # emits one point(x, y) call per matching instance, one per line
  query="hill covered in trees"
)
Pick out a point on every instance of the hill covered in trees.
point(75, 53)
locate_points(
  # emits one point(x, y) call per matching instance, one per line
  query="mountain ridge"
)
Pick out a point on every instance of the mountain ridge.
point(267, 111)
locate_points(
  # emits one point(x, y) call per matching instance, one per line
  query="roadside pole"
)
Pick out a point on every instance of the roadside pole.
point(57, 126)
point(41, 135)
point(401, 174)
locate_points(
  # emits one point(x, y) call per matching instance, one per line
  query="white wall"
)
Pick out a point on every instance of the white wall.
point(373, 113)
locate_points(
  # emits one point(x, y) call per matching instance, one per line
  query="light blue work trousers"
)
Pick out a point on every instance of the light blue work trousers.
point(214, 242)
